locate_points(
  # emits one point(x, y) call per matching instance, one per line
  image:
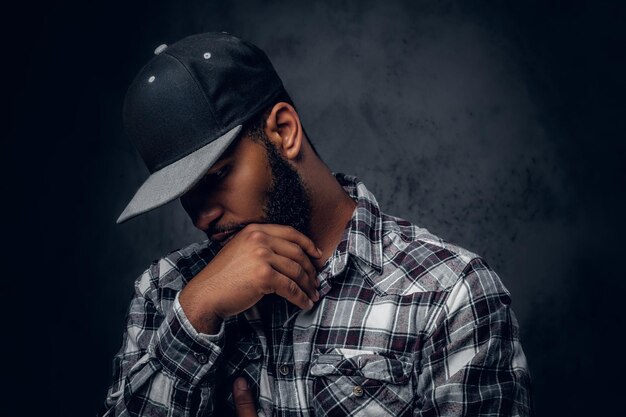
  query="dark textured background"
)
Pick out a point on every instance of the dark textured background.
point(497, 127)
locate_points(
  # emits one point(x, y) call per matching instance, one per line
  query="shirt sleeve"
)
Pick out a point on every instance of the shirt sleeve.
point(472, 363)
point(164, 366)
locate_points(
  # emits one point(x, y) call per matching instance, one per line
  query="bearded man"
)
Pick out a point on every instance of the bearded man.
point(306, 299)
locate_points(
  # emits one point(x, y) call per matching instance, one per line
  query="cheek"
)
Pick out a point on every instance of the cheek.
point(249, 185)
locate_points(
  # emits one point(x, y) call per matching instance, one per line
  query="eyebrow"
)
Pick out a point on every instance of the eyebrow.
point(219, 164)
point(226, 157)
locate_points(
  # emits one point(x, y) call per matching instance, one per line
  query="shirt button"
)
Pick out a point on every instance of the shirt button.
point(284, 370)
point(357, 391)
point(201, 357)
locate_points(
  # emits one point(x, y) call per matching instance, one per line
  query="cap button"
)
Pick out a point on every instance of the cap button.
point(160, 49)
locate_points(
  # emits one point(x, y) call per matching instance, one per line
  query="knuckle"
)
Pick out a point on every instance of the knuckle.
point(242, 400)
point(261, 252)
point(256, 236)
point(264, 271)
point(292, 288)
point(298, 270)
point(299, 253)
point(251, 227)
point(302, 257)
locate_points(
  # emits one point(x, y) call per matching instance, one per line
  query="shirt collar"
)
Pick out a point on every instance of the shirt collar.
point(362, 237)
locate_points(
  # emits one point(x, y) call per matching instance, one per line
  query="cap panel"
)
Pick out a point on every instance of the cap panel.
point(166, 114)
point(237, 76)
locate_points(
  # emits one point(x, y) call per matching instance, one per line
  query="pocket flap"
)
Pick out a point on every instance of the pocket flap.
point(250, 349)
point(370, 365)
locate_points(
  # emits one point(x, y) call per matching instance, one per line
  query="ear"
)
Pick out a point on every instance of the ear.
point(283, 129)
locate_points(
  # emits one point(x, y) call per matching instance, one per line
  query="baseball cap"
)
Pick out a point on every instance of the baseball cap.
point(187, 105)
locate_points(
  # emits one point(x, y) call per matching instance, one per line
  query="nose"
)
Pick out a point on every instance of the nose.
point(206, 216)
point(202, 208)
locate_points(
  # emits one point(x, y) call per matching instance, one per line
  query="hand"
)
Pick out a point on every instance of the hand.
point(261, 259)
point(244, 403)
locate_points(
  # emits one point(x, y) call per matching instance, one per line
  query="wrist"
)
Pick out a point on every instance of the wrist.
point(207, 324)
point(200, 315)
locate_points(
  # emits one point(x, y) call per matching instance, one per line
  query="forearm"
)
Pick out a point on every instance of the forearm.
point(173, 373)
point(198, 312)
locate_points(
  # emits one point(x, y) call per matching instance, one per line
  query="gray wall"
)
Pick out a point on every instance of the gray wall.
point(499, 128)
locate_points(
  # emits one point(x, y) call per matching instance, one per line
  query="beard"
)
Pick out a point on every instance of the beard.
point(288, 201)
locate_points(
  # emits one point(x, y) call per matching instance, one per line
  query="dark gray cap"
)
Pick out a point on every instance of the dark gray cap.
point(187, 105)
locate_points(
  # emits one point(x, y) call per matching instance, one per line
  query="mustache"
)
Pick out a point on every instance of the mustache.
point(232, 227)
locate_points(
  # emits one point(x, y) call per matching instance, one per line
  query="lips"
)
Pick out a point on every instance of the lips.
point(222, 237)
point(225, 235)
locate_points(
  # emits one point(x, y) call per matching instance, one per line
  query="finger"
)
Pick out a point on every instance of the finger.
point(294, 252)
point(289, 290)
point(244, 403)
point(293, 235)
point(296, 272)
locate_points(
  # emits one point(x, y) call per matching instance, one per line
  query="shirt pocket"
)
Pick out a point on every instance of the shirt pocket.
point(361, 383)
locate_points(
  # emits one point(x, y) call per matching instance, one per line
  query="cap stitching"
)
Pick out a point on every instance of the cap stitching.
point(218, 122)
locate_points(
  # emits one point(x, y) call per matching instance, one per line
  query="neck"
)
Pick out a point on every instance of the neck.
point(331, 209)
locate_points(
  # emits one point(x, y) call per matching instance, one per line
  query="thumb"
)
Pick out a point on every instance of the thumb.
point(244, 403)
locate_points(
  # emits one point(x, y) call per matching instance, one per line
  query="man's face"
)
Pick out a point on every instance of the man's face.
point(251, 183)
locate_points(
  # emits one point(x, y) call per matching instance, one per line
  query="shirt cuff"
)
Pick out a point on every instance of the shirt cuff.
point(206, 339)
point(183, 351)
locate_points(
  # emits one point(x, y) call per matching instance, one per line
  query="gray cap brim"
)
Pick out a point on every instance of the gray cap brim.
point(176, 179)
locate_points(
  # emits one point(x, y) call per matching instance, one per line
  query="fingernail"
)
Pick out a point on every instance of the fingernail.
point(319, 251)
point(242, 384)
point(317, 295)
point(310, 304)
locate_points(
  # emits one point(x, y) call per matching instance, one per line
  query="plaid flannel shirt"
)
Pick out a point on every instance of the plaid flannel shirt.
point(407, 325)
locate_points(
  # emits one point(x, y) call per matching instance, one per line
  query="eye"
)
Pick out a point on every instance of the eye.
point(221, 173)
point(216, 176)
